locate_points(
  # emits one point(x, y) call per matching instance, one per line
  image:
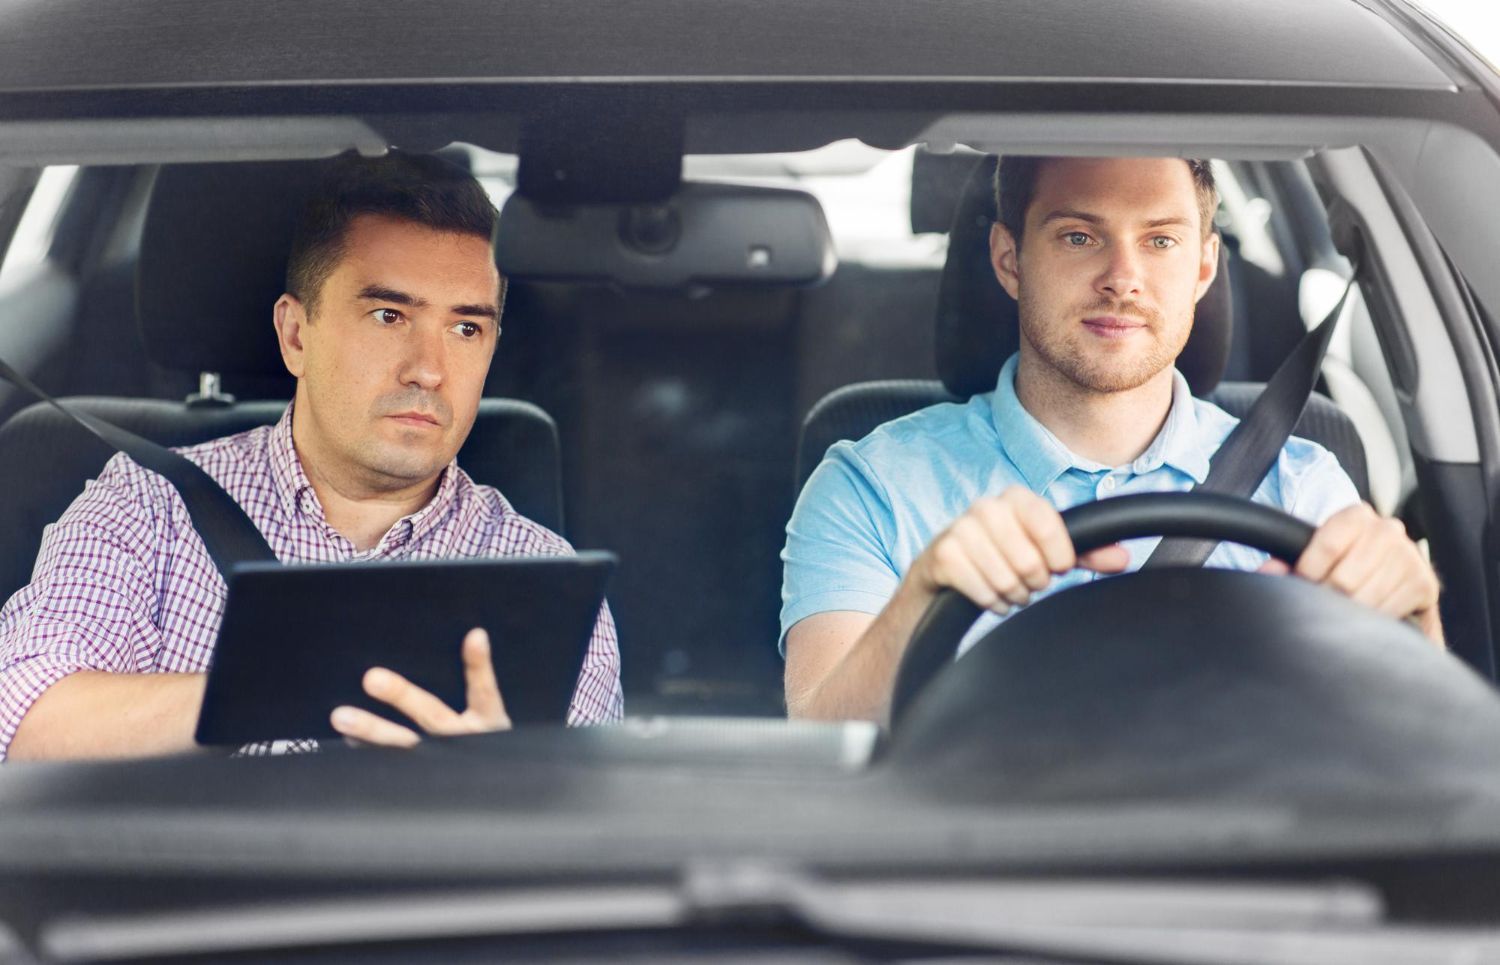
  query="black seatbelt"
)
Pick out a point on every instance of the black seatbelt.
point(227, 532)
point(1252, 448)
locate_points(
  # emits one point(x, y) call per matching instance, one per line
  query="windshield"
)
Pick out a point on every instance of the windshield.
point(817, 524)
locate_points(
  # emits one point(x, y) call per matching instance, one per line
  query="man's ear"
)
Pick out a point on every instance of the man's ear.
point(290, 317)
point(1005, 256)
point(1208, 268)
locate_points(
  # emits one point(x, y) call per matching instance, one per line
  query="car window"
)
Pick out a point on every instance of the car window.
point(28, 246)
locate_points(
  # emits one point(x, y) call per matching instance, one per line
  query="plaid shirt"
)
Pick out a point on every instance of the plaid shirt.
point(124, 584)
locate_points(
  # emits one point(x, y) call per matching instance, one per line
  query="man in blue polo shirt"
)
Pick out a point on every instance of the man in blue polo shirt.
point(1107, 259)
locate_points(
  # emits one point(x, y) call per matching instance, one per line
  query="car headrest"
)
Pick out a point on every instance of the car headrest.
point(978, 323)
point(213, 262)
point(937, 181)
point(707, 234)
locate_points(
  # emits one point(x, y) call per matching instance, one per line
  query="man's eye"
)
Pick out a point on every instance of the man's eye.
point(386, 316)
point(468, 329)
point(1162, 242)
point(1076, 238)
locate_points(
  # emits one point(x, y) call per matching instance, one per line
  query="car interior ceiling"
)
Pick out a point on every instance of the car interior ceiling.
point(677, 411)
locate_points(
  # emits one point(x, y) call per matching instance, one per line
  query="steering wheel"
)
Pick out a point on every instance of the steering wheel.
point(1215, 516)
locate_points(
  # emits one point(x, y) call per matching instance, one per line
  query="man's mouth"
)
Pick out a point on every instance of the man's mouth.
point(1112, 326)
point(416, 419)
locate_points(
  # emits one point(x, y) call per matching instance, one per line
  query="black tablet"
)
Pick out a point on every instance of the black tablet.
point(296, 640)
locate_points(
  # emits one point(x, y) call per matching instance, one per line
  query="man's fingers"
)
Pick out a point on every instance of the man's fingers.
point(1274, 567)
point(1332, 541)
point(1386, 590)
point(1007, 548)
point(485, 712)
point(952, 567)
point(1106, 559)
point(1360, 563)
point(430, 713)
point(1043, 523)
point(486, 706)
point(989, 561)
point(1002, 523)
point(1372, 560)
point(360, 725)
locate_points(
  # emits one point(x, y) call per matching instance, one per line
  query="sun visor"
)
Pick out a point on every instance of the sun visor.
point(706, 234)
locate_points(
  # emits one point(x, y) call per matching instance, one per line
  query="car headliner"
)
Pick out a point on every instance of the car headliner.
point(81, 45)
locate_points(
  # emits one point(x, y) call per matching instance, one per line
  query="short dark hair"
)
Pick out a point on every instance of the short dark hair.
point(1015, 186)
point(420, 188)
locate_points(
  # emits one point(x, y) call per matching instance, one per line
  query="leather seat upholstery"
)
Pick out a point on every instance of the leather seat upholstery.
point(978, 329)
point(212, 263)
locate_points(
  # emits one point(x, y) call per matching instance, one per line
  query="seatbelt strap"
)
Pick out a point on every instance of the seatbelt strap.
point(1253, 446)
point(226, 530)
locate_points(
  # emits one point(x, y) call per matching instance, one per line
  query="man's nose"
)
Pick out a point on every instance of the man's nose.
point(424, 363)
point(1121, 275)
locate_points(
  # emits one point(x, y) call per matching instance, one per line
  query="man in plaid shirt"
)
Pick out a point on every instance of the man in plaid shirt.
point(389, 323)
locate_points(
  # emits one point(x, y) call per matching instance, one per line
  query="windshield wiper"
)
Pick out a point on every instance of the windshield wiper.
point(1114, 920)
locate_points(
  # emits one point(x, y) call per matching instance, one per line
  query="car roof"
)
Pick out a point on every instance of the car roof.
point(78, 45)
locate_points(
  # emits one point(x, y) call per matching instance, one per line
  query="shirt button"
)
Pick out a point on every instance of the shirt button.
point(1108, 485)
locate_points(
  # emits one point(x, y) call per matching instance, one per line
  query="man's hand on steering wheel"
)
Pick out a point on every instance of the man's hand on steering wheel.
point(1004, 549)
point(1370, 559)
point(1007, 547)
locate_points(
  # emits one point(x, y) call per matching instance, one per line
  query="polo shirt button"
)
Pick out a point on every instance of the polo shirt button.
point(1108, 485)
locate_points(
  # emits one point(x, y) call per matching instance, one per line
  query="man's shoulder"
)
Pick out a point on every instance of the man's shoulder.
point(498, 528)
point(945, 427)
point(1215, 424)
point(1306, 478)
point(924, 463)
point(241, 449)
point(123, 482)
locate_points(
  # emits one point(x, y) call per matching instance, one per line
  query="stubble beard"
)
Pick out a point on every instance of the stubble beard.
point(396, 462)
point(1062, 346)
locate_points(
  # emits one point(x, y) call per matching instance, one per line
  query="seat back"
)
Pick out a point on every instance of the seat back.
point(978, 329)
point(49, 457)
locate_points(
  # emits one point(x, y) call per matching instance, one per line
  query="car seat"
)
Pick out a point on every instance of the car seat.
point(212, 263)
point(978, 329)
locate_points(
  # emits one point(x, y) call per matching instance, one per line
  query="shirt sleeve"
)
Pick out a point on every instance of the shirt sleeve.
point(1314, 485)
point(91, 600)
point(837, 554)
point(599, 697)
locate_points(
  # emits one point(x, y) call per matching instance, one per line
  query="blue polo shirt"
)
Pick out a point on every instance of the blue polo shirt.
point(872, 506)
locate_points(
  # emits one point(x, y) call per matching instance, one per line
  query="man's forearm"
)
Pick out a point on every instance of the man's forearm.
point(859, 686)
point(91, 714)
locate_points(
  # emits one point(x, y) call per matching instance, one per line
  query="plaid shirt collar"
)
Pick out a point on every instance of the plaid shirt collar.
point(296, 495)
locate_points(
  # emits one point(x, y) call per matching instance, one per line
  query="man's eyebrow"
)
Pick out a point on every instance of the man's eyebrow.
point(380, 293)
point(1069, 214)
point(483, 311)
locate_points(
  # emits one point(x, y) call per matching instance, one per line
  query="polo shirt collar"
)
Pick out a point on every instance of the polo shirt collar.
point(1178, 444)
point(1041, 458)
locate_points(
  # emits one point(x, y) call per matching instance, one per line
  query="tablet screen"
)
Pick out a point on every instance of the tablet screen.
point(296, 640)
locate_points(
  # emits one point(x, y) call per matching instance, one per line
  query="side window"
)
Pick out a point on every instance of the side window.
point(28, 247)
